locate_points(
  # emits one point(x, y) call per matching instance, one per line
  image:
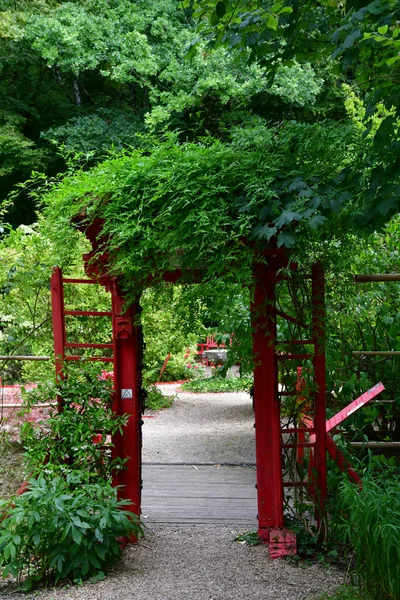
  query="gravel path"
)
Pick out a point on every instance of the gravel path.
point(202, 562)
point(201, 428)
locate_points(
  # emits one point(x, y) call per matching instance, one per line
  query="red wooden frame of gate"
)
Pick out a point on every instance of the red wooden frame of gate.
point(126, 361)
point(127, 380)
point(269, 443)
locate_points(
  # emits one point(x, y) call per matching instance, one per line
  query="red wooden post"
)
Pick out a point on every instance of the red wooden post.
point(301, 436)
point(266, 405)
point(57, 303)
point(318, 327)
point(127, 384)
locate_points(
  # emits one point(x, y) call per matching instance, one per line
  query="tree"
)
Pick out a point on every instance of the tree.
point(89, 77)
point(363, 35)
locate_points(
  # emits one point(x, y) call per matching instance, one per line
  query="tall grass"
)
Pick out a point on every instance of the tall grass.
point(371, 524)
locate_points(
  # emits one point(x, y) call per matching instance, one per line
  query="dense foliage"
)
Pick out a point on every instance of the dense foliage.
point(62, 529)
point(205, 206)
point(362, 35)
point(371, 524)
point(67, 522)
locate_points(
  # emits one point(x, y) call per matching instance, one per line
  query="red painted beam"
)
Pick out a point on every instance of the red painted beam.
point(90, 358)
point(86, 345)
point(293, 356)
point(266, 404)
point(57, 303)
point(127, 384)
point(318, 334)
point(68, 280)
point(354, 406)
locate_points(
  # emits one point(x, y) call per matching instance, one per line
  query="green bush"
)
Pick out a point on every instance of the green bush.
point(167, 332)
point(62, 529)
point(79, 436)
point(371, 525)
point(67, 523)
point(156, 400)
point(218, 384)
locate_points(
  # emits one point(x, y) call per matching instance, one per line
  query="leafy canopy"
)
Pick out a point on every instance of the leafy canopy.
point(208, 205)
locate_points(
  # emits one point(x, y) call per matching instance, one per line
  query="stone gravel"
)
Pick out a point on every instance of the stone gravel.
point(201, 428)
point(202, 562)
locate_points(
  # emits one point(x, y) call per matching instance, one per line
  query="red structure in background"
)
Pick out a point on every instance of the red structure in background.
point(126, 359)
point(210, 344)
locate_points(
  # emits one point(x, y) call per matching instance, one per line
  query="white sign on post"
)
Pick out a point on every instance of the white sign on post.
point(126, 393)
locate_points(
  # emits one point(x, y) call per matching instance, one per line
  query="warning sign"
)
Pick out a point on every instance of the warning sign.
point(126, 394)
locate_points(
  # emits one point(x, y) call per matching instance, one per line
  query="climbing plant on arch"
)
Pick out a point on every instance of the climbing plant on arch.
point(213, 205)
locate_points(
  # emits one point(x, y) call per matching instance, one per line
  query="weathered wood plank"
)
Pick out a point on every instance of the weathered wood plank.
point(205, 494)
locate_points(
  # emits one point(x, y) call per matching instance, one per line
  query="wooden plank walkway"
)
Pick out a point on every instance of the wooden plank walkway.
point(199, 494)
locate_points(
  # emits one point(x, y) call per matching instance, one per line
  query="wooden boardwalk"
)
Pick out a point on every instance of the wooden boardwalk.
point(198, 494)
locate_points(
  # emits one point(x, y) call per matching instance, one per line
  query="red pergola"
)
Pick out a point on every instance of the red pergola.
point(271, 438)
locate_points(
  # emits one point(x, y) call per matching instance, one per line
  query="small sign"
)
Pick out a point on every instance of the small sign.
point(126, 394)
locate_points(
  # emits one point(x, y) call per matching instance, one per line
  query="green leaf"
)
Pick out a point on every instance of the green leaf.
point(220, 9)
point(383, 30)
point(85, 566)
point(94, 561)
point(66, 531)
point(272, 21)
point(316, 221)
point(78, 523)
point(214, 19)
point(100, 551)
point(102, 523)
point(285, 239)
point(285, 10)
point(76, 535)
point(287, 217)
point(59, 504)
point(349, 41)
point(60, 563)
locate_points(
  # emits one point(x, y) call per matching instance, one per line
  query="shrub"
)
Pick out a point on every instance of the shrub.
point(67, 523)
point(156, 400)
point(62, 528)
point(78, 437)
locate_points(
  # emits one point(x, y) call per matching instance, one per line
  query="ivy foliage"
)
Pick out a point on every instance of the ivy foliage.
point(207, 205)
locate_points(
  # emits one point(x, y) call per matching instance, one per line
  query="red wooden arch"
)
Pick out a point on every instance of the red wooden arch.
point(271, 438)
